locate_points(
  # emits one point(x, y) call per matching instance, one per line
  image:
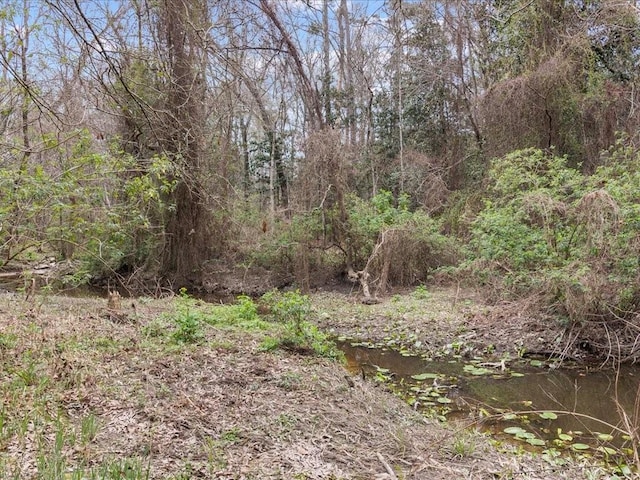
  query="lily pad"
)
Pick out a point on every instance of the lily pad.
point(514, 430)
point(548, 415)
point(473, 370)
point(424, 376)
point(605, 437)
point(565, 437)
point(580, 446)
point(538, 442)
point(607, 450)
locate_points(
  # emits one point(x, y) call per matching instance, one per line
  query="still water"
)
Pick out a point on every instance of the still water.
point(593, 399)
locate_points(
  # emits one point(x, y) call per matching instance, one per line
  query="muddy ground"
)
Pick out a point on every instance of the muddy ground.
point(89, 392)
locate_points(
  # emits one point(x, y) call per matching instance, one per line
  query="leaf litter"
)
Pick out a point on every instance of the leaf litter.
point(219, 409)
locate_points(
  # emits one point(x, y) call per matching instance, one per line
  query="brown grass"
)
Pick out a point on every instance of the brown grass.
point(221, 409)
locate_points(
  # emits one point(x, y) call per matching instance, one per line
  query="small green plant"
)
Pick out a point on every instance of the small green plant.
point(421, 293)
point(120, 469)
point(297, 334)
point(463, 445)
point(246, 308)
point(88, 429)
point(50, 458)
point(289, 381)
point(188, 327)
point(230, 436)
point(288, 307)
point(154, 329)
point(28, 375)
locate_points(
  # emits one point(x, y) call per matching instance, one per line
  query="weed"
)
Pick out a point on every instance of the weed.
point(216, 457)
point(28, 375)
point(215, 448)
point(89, 429)
point(287, 421)
point(292, 309)
point(188, 328)
point(230, 436)
point(154, 329)
point(246, 308)
point(187, 474)
point(106, 344)
point(121, 469)
point(289, 381)
point(304, 338)
point(421, 293)
point(463, 445)
point(7, 341)
point(288, 307)
point(51, 461)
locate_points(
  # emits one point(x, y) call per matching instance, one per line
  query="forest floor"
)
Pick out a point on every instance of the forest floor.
point(93, 392)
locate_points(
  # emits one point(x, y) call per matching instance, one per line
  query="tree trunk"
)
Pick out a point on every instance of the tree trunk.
point(188, 237)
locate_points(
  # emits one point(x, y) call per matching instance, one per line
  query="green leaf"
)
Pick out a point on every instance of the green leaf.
point(517, 374)
point(580, 446)
point(607, 450)
point(536, 363)
point(514, 430)
point(548, 416)
point(536, 441)
point(444, 400)
point(424, 376)
point(473, 370)
point(605, 437)
point(565, 437)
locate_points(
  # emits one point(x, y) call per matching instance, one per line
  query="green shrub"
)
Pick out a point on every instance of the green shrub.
point(98, 209)
point(400, 247)
point(298, 334)
point(246, 308)
point(187, 321)
point(571, 238)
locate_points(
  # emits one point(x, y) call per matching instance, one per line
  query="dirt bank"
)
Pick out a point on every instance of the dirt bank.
point(440, 321)
point(89, 391)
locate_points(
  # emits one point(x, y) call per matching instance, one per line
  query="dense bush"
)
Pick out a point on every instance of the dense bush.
point(399, 246)
point(100, 210)
point(395, 245)
point(570, 238)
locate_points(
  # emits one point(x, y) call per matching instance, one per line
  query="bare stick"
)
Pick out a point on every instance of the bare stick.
point(387, 467)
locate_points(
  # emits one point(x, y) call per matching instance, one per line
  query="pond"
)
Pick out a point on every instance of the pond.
point(578, 408)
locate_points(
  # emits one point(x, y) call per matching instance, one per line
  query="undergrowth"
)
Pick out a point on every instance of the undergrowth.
point(286, 326)
point(298, 334)
point(572, 239)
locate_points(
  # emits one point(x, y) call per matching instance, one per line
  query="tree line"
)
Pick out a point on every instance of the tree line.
point(144, 139)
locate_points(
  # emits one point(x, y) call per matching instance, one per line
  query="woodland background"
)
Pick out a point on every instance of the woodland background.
point(489, 143)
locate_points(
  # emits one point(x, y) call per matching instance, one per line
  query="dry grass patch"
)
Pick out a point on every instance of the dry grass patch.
point(85, 396)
